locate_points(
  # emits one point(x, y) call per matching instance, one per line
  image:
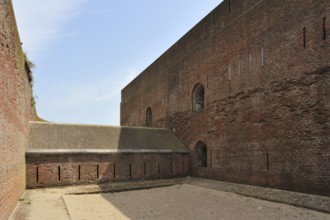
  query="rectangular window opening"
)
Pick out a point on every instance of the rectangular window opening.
point(37, 174)
point(324, 29)
point(59, 173)
point(79, 172)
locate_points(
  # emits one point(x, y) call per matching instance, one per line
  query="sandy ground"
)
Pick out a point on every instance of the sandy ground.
point(182, 201)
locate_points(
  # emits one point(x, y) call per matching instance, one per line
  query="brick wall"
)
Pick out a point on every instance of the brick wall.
point(67, 169)
point(265, 67)
point(15, 104)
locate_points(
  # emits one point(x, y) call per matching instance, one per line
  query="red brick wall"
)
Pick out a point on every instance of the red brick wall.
point(15, 104)
point(266, 116)
point(43, 171)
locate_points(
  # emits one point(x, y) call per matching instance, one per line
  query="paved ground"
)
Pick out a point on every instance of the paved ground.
point(184, 200)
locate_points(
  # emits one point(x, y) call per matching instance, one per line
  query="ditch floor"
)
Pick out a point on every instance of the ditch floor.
point(183, 198)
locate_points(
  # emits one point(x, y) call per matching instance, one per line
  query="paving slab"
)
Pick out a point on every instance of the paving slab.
point(41, 204)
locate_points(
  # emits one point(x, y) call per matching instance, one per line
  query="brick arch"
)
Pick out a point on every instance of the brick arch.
point(149, 117)
point(198, 97)
point(201, 154)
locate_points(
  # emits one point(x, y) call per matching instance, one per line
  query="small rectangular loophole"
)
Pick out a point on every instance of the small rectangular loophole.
point(229, 6)
point(304, 37)
point(145, 169)
point(114, 170)
point(324, 29)
point(37, 174)
point(158, 169)
point(59, 173)
point(79, 172)
point(267, 163)
point(130, 170)
point(97, 172)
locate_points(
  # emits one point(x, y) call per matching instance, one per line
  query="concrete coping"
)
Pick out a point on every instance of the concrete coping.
point(102, 151)
point(71, 138)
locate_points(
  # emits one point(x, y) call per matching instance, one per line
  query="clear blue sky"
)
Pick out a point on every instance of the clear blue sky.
point(86, 51)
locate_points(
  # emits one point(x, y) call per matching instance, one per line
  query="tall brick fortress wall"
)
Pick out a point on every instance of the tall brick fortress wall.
point(15, 105)
point(264, 66)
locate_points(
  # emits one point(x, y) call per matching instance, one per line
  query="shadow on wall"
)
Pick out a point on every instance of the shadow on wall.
point(156, 157)
point(61, 154)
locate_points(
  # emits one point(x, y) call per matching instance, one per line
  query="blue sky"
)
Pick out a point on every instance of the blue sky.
point(86, 51)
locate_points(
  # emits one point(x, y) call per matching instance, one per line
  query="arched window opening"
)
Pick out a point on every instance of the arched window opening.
point(198, 98)
point(201, 153)
point(149, 117)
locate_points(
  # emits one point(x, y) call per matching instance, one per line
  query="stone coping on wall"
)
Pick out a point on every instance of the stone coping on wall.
point(37, 152)
point(73, 138)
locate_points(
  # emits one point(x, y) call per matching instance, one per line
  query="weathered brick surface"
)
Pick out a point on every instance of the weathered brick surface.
point(266, 116)
point(97, 168)
point(15, 104)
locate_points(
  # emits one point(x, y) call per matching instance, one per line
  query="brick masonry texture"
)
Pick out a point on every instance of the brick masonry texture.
point(265, 68)
point(15, 105)
point(68, 169)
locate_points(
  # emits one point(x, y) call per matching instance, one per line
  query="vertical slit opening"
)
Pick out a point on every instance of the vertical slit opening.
point(79, 172)
point(229, 6)
point(158, 169)
point(37, 174)
point(210, 158)
point(207, 81)
point(145, 169)
point(324, 29)
point(262, 56)
point(182, 167)
point(171, 167)
point(114, 170)
point(304, 36)
point(97, 172)
point(130, 170)
point(58, 173)
point(267, 155)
